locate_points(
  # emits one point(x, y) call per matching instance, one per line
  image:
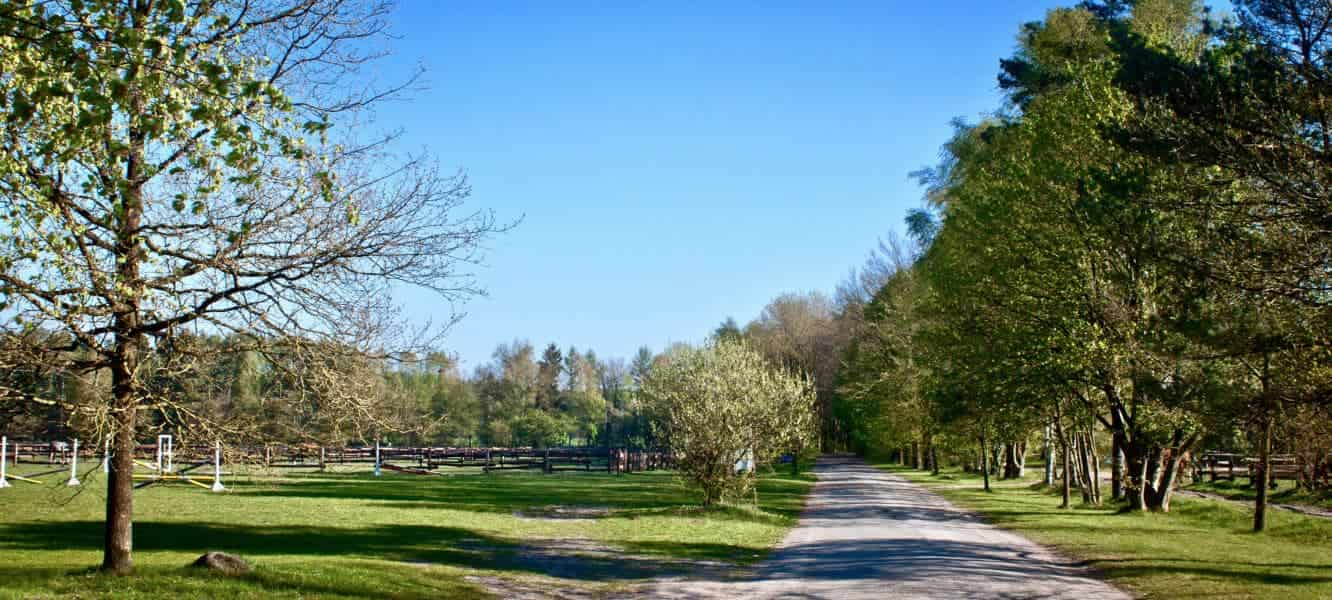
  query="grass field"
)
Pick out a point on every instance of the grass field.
point(1202, 549)
point(348, 535)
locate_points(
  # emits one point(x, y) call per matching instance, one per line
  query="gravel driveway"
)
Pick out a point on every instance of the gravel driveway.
point(870, 534)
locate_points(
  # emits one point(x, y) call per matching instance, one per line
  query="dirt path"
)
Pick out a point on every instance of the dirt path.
point(1309, 511)
point(870, 534)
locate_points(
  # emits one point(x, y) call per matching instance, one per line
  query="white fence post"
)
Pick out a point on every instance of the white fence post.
point(74, 465)
point(106, 456)
point(376, 458)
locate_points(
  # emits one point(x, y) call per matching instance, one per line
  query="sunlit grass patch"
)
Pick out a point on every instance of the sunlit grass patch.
point(351, 535)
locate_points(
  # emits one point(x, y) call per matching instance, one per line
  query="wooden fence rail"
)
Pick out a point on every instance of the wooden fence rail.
point(1228, 466)
point(419, 460)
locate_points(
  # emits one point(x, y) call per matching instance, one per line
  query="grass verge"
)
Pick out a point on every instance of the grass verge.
point(1201, 549)
point(351, 535)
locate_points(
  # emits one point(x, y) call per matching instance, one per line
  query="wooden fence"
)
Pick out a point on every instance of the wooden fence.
point(416, 460)
point(1228, 466)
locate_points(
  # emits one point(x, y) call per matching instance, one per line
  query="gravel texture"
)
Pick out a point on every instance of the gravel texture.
point(870, 534)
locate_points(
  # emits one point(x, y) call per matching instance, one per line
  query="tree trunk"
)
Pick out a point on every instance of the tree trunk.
point(1133, 454)
point(1164, 489)
point(934, 460)
point(1264, 467)
point(1067, 486)
point(1116, 458)
point(1264, 454)
point(927, 449)
point(119, 536)
point(117, 551)
point(1089, 473)
point(1084, 469)
point(985, 461)
point(1047, 453)
point(1094, 469)
point(123, 357)
point(1135, 480)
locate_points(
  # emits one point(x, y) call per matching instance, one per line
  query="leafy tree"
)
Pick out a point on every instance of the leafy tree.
point(540, 429)
point(169, 165)
point(549, 371)
point(583, 401)
point(724, 402)
point(728, 331)
point(800, 332)
point(1243, 125)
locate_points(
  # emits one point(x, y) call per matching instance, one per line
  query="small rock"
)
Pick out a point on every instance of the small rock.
point(221, 562)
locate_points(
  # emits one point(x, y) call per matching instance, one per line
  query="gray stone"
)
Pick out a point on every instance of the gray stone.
point(221, 562)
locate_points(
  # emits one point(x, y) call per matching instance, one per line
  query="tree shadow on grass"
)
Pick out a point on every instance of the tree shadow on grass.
point(409, 544)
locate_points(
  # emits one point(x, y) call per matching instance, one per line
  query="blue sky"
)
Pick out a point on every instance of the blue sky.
point(676, 163)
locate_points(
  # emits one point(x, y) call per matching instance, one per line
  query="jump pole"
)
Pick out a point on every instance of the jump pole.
point(376, 458)
point(217, 467)
point(74, 465)
point(4, 459)
point(106, 456)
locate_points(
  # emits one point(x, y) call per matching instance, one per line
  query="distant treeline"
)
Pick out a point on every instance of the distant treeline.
point(519, 398)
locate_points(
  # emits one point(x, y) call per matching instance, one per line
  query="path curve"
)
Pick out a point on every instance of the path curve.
point(866, 533)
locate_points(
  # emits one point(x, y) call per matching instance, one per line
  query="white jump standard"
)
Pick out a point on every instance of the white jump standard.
point(4, 460)
point(217, 467)
point(169, 452)
point(74, 465)
point(5, 475)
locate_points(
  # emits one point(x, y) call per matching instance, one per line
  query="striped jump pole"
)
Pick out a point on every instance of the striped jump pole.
point(74, 465)
point(4, 459)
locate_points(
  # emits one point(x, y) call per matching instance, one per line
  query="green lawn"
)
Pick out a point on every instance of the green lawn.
point(405, 536)
point(1202, 549)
